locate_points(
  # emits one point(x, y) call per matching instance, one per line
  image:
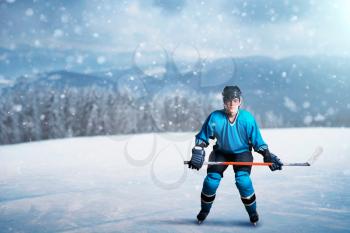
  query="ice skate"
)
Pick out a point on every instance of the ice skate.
point(202, 216)
point(254, 218)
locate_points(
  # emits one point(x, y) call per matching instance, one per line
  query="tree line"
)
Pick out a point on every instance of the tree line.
point(46, 113)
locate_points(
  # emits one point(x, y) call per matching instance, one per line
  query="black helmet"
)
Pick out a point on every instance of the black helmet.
point(231, 92)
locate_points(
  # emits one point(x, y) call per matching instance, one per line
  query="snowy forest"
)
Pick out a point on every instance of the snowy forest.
point(45, 113)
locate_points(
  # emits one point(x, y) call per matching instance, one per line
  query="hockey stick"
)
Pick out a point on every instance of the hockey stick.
point(235, 163)
point(318, 151)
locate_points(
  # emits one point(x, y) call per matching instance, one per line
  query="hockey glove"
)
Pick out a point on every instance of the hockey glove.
point(271, 158)
point(197, 158)
point(276, 163)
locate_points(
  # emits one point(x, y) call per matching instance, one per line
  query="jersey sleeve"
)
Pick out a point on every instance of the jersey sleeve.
point(255, 137)
point(207, 132)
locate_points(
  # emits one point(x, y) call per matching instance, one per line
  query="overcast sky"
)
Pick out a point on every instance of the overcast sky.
point(274, 28)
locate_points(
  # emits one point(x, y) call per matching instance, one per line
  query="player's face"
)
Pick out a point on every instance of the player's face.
point(231, 106)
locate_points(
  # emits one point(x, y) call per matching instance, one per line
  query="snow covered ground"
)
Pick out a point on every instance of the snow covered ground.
point(138, 183)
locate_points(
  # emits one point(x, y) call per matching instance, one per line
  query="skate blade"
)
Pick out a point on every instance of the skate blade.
point(254, 224)
point(200, 222)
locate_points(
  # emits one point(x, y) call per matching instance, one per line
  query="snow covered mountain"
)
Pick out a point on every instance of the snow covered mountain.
point(290, 92)
point(138, 183)
point(29, 60)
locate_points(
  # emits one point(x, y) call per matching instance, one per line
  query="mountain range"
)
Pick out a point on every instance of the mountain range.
point(295, 90)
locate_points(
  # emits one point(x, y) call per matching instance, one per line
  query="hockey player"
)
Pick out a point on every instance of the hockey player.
point(237, 133)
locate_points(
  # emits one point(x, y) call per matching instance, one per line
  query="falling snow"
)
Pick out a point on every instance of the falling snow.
point(101, 60)
point(290, 104)
point(29, 12)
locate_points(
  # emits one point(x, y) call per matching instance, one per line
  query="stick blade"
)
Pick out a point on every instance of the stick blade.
point(315, 155)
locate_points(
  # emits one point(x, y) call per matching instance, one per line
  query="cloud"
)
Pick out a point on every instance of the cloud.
point(220, 28)
point(257, 11)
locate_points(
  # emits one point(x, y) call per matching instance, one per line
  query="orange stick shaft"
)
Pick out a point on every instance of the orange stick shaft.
point(243, 163)
point(236, 163)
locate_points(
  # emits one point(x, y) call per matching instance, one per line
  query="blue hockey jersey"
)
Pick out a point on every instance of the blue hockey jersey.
point(235, 137)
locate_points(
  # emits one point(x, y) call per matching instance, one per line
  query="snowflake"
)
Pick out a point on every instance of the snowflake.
point(79, 59)
point(290, 104)
point(43, 18)
point(306, 104)
point(37, 43)
point(17, 108)
point(58, 33)
point(101, 60)
point(307, 120)
point(319, 117)
point(294, 18)
point(64, 18)
point(29, 12)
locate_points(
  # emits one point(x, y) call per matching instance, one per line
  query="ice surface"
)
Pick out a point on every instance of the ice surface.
point(138, 183)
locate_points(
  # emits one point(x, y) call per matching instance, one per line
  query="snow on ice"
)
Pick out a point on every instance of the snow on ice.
point(136, 183)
